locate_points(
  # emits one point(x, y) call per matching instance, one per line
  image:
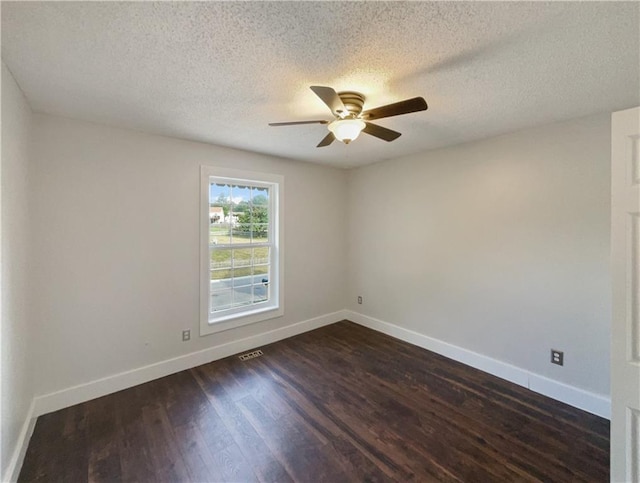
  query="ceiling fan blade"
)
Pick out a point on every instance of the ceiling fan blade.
point(403, 107)
point(331, 98)
point(328, 139)
point(381, 132)
point(292, 123)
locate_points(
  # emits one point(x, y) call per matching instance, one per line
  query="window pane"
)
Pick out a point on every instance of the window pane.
point(260, 292)
point(219, 208)
point(221, 279)
point(242, 228)
point(259, 196)
point(260, 232)
point(221, 300)
point(219, 233)
point(261, 283)
point(219, 194)
point(240, 198)
point(242, 277)
point(260, 255)
point(260, 222)
point(261, 271)
point(242, 257)
point(220, 258)
point(242, 296)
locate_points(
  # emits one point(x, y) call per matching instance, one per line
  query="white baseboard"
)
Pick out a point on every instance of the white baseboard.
point(576, 397)
point(15, 463)
point(579, 398)
point(101, 387)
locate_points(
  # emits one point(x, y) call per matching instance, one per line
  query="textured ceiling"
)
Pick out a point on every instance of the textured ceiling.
point(218, 72)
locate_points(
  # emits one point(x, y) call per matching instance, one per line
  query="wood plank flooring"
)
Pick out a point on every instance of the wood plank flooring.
point(341, 403)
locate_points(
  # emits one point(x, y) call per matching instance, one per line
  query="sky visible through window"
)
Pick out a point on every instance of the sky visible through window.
point(234, 193)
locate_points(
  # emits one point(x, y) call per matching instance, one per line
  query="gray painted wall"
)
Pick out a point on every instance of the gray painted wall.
point(500, 247)
point(17, 353)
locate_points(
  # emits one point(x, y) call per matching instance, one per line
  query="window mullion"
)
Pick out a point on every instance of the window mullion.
point(237, 245)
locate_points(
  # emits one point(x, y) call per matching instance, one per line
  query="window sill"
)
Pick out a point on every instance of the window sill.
point(233, 321)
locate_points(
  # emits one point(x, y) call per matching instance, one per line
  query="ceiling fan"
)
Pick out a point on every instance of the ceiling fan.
point(350, 119)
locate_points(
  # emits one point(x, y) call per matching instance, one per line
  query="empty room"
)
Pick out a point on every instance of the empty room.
point(320, 241)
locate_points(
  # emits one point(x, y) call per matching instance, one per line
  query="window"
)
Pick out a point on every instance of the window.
point(241, 233)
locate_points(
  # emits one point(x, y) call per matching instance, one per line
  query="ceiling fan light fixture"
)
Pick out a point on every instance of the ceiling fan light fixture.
point(351, 120)
point(346, 130)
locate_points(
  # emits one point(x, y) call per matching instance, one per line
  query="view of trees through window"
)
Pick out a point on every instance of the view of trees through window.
point(239, 245)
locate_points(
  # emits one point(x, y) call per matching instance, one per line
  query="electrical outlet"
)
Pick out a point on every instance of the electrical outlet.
point(359, 299)
point(557, 357)
point(186, 335)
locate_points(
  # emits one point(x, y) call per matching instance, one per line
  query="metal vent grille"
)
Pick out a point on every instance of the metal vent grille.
point(250, 355)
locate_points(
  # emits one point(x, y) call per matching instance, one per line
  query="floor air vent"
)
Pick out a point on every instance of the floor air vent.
point(250, 355)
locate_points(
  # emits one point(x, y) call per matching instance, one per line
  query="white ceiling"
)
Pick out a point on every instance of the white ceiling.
point(218, 72)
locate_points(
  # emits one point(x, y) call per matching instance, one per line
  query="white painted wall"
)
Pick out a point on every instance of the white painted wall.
point(117, 252)
point(16, 352)
point(500, 247)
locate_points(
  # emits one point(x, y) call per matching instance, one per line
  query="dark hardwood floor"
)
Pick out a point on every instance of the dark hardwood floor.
point(341, 403)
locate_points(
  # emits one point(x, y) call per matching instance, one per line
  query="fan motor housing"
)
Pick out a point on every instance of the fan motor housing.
point(353, 101)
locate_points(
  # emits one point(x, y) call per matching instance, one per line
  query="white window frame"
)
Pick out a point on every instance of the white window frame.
point(237, 317)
